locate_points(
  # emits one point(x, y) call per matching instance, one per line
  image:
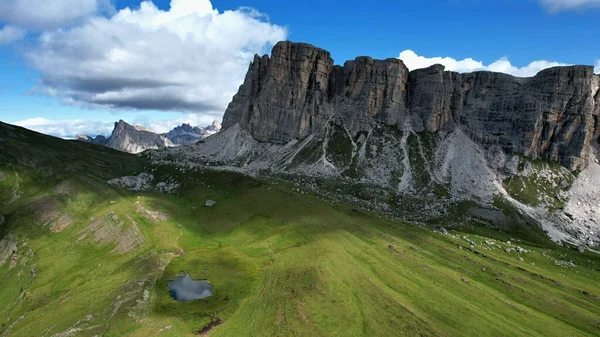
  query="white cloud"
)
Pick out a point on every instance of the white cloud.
point(597, 68)
point(67, 128)
point(9, 34)
point(191, 58)
point(560, 5)
point(48, 14)
point(503, 65)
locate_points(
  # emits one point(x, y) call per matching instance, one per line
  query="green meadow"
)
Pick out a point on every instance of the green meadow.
point(79, 257)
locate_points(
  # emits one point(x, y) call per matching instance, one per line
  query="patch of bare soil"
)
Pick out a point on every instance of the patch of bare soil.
point(110, 230)
point(45, 211)
point(61, 223)
point(151, 215)
point(214, 321)
point(65, 188)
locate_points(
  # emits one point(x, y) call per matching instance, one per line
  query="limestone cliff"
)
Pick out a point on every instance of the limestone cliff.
point(293, 94)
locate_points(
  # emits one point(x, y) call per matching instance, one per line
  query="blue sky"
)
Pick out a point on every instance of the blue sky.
point(163, 63)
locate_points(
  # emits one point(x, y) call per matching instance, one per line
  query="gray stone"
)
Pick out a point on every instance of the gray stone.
point(136, 139)
point(210, 203)
point(581, 249)
point(298, 89)
point(443, 231)
point(186, 134)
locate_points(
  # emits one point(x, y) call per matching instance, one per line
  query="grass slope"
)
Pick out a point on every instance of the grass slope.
point(282, 263)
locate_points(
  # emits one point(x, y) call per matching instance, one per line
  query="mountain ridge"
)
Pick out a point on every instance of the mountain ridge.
point(295, 91)
point(136, 138)
point(417, 144)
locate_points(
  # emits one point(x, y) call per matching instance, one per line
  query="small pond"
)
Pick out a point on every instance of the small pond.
point(185, 288)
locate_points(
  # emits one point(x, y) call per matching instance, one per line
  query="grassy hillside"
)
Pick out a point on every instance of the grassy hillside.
point(81, 257)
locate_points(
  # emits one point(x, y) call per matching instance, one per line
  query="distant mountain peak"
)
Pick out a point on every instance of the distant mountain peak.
point(137, 138)
point(186, 134)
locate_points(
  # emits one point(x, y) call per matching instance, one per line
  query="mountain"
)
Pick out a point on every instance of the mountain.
point(91, 238)
point(136, 138)
point(418, 144)
point(187, 134)
point(99, 140)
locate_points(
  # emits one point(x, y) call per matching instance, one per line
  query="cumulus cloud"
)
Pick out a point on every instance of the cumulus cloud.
point(190, 58)
point(49, 14)
point(9, 34)
point(67, 128)
point(597, 68)
point(560, 5)
point(503, 65)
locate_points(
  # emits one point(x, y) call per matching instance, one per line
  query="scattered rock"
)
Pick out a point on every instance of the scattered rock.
point(564, 184)
point(210, 203)
point(137, 183)
point(581, 249)
point(521, 250)
point(520, 259)
point(443, 231)
point(169, 187)
point(564, 263)
point(393, 248)
point(2, 219)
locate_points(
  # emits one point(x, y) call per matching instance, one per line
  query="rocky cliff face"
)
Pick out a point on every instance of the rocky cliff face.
point(296, 91)
point(136, 139)
point(421, 144)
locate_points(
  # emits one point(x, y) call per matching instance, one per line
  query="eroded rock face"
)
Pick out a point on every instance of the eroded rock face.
point(135, 139)
point(298, 89)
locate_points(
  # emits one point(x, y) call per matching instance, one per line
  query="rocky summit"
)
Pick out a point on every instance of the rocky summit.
point(135, 138)
point(186, 134)
point(418, 144)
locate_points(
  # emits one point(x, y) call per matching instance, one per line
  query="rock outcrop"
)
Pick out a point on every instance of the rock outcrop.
point(136, 139)
point(293, 94)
